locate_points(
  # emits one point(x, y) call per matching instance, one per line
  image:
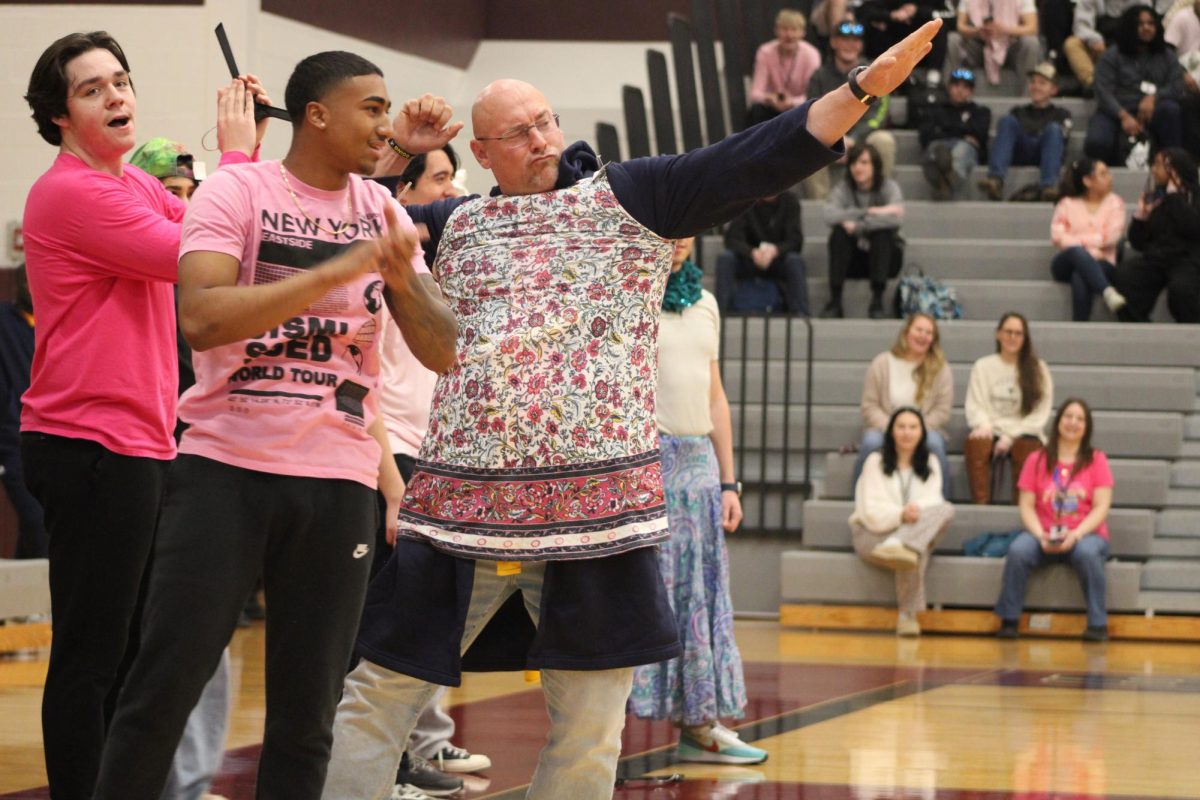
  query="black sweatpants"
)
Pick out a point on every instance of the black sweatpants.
point(844, 252)
point(100, 513)
point(221, 526)
point(1142, 280)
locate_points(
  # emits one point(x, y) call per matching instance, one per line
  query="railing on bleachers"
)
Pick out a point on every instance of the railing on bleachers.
point(765, 498)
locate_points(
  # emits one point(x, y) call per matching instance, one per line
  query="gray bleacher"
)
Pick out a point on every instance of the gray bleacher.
point(1141, 380)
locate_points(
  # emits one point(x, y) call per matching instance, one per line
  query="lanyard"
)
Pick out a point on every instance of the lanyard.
point(1061, 477)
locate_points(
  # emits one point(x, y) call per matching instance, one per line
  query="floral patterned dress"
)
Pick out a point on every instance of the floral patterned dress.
point(542, 441)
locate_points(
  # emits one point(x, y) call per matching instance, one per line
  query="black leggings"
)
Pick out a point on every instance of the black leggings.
point(221, 526)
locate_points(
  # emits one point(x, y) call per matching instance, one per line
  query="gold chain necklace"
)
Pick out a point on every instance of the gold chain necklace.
point(339, 230)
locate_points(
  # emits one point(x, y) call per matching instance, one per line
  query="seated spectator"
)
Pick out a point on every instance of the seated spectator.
point(1165, 231)
point(174, 167)
point(900, 512)
point(1055, 20)
point(847, 47)
point(1094, 31)
point(1034, 134)
point(913, 373)
point(1009, 397)
point(1066, 492)
point(889, 21)
point(864, 213)
point(825, 16)
point(1183, 29)
point(16, 359)
point(761, 268)
point(953, 134)
point(1183, 33)
point(992, 34)
point(1088, 224)
point(782, 68)
point(1139, 85)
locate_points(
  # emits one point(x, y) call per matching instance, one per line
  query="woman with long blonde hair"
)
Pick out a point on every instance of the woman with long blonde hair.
point(912, 373)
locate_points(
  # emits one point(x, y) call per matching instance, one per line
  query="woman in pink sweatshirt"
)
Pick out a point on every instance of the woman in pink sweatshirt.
point(1088, 222)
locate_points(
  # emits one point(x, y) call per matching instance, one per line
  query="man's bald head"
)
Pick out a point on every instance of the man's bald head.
point(516, 136)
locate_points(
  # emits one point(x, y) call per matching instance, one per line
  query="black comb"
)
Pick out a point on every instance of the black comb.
point(260, 109)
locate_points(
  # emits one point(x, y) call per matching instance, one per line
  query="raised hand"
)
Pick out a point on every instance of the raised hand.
point(891, 69)
point(423, 124)
point(255, 87)
point(396, 249)
point(235, 118)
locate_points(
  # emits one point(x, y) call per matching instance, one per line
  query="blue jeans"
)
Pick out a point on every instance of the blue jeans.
point(586, 707)
point(1104, 132)
point(1087, 275)
point(1026, 554)
point(1011, 146)
point(873, 440)
point(963, 156)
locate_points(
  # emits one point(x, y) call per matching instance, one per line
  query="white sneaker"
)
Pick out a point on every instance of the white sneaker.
point(907, 625)
point(893, 555)
point(457, 759)
point(1113, 299)
point(406, 791)
point(722, 747)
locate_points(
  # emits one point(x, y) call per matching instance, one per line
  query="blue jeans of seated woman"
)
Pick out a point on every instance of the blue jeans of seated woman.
point(873, 440)
point(1025, 554)
point(1088, 276)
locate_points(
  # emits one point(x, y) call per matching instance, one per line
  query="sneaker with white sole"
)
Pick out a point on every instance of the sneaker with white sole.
point(720, 746)
point(405, 791)
point(457, 759)
point(417, 772)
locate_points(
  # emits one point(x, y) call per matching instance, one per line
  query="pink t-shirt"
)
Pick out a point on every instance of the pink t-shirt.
point(1064, 497)
point(297, 399)
point(405, 391)
point(101, 256)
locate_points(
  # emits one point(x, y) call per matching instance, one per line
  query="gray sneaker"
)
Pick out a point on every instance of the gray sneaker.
point(419, 773)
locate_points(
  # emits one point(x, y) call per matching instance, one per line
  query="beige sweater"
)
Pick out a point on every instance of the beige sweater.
point(879, 499)
point(877, 406)
point(994, 398)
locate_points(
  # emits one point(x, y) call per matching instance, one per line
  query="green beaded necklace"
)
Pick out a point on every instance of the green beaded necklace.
point(683, 288)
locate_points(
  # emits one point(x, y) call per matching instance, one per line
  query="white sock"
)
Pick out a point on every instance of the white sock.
point(893, 541)
point(1113, 299)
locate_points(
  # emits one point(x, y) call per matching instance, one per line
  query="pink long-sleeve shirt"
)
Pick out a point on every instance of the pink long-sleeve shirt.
point(774, 72)
point(102, 254)
point(1073, 225)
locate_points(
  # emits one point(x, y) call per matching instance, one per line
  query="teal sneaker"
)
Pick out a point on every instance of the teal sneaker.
point(720, 746)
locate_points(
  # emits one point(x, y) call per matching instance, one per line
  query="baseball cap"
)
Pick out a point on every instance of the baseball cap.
point(1045, 69)
point(962, 75)
point(163, 158)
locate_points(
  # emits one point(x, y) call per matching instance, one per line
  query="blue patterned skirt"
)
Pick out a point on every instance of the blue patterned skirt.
point(706, 682)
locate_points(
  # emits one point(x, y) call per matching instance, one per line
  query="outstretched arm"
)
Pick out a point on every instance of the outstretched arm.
point(677, 196)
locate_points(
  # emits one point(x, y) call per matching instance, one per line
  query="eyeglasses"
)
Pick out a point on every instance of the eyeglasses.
point(850, 29)
point(963, 75)
point(519, 137)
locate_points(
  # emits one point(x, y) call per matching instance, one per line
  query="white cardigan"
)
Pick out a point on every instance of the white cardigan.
point(879, 500)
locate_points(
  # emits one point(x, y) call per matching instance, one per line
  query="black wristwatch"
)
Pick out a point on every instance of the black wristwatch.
point(857, 91)
point(736, 486)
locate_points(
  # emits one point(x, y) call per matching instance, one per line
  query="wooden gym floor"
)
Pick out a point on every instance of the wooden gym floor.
point(863, 716)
